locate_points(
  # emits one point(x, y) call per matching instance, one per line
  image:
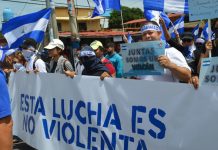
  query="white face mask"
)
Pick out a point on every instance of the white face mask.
point(27, 54)
point(17, 66)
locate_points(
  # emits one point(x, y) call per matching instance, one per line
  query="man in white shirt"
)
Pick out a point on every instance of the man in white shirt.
point(34, 63)
point(175, 66)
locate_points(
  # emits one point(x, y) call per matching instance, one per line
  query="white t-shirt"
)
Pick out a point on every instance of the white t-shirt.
point(39, 64)
point(175, 57)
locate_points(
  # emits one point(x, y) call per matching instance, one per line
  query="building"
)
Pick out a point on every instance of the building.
point(90, 29)
point(85, 22)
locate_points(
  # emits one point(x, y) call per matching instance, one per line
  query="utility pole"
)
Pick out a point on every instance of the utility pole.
point(53, 29)
point(75, 39)
point(73, 20)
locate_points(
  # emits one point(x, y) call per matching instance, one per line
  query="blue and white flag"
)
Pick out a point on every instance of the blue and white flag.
point(195, 31)
point(1, 54)
point(172, 6)
point(177, 25)
point(205, 33)
point(129, 38)
point(4, 51)
point(28, 26)
point(102, 5)
point(152, 15)
point(114, 4)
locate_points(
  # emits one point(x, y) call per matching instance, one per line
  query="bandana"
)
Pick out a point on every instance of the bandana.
point(86, 53)
point(148, 27)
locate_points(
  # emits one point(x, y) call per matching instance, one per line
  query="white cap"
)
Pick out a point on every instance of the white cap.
point(10, 51)
point(55, 43)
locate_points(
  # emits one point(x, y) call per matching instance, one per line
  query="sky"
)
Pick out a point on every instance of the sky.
point(21, 7)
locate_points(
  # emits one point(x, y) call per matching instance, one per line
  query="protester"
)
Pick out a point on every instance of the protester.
point(29, 51)
point(19, 62)
point(6, 141)
point(211, 47)
point(176, 67)
point(78, 64)
point(7, 64)
point(187, 47)
point(92, 64)
point(99, 51)
point(115, 58)
point(58, 63)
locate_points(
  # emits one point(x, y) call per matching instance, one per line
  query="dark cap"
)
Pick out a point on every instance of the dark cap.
point(28, 42)
point(87, 51)
point(187, 36)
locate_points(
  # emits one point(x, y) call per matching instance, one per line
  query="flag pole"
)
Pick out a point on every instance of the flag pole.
point(121, 12)
point(209, 34)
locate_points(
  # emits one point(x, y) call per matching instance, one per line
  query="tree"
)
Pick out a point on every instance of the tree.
point(128, 15)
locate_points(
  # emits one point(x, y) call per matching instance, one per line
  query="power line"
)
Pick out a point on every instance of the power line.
point(22, 9)
point(40, 2)
point(22, 2)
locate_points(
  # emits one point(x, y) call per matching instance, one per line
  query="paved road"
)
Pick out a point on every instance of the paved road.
point(20, 145)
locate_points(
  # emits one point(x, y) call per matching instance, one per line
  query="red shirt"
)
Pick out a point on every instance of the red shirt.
point(109, 66)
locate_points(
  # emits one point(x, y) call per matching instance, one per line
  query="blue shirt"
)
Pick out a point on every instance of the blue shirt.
point(5, 109)
point(117, 61)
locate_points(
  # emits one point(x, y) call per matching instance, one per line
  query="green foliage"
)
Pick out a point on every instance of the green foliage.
point(128, 15)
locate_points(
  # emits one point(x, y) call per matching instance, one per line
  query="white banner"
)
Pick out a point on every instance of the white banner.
point(51, 111)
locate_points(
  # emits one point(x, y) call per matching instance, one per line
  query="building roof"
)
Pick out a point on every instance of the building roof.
point(77, 7)
point(80, 18)
point(101, 34)
point(136, 21)
point(172, 17)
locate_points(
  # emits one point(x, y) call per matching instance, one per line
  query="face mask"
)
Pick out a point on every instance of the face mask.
point(27, 54)
point(17, 66)
point(199, 46)
point(88, 62)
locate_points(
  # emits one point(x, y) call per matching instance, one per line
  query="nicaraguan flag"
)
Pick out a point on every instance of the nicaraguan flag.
point(1, 54)
point(129, 38)
point(206, 63)
point(205, 32)
point(213, 36)
point(195, 31)
point(102, 5)
point(114, 4)
point(4, 51)
point(152, 15)
point(28, 26)
point(172, 6)
point(178, 25)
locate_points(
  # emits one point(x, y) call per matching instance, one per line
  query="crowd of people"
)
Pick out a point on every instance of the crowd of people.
point(181, 63)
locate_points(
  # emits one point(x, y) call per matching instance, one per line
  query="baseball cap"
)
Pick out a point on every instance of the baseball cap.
point(28, 42)
point(200, 40)
point(55, 43)
point(187, 36)
point(87, 51)
point(95, 44)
